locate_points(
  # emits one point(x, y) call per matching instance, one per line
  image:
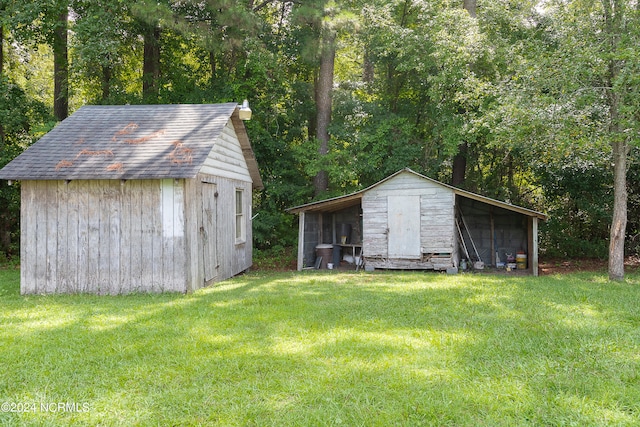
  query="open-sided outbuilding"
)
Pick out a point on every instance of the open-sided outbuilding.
point(410, 221)
point(119, 199)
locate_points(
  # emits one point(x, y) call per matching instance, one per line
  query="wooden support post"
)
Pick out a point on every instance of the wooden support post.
point(333, 229)
point(301, 241)
point(534, 250)
point(494, 261)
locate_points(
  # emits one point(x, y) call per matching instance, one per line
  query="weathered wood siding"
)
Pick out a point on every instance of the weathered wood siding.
point(224, 172)
point(232, 257)
point(226, 158)
point(436, 227)
point(112, 236)
point(103, 236)
point(193, 240)
point(227, 170)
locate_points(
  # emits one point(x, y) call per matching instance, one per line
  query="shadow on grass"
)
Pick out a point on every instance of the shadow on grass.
point(329, 349)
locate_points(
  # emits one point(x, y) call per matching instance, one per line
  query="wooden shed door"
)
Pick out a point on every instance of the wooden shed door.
point(404, 226)
point(208, 232)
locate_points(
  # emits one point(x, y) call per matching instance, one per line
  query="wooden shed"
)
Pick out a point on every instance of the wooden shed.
point(410, 221)
point(145, 198)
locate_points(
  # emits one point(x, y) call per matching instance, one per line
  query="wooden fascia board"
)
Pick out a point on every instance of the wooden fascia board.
point(247, 150)
point(503, 205)
point(328, 205)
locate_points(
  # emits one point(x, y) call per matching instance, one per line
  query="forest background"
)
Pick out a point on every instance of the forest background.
point(533, 102)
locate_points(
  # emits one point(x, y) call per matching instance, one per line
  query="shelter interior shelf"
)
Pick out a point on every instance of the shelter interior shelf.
point(356, 250)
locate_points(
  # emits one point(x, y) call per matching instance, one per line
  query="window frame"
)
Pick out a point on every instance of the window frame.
point(240, 225)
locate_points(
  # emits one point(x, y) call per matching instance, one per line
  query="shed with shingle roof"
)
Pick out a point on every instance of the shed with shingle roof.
point(136, 198)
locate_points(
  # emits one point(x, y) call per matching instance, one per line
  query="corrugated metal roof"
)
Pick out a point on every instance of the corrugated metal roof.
point(129, 142)
point(348, 200)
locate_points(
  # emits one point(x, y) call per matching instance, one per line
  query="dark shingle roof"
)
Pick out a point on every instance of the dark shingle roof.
point(127, 142)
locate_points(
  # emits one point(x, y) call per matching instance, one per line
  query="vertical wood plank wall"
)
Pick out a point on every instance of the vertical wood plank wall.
point(194, 274)
point(233, 258)
point(103, 236)
point(437, 234)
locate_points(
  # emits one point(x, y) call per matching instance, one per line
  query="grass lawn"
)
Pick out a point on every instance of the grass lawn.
point(353, 349)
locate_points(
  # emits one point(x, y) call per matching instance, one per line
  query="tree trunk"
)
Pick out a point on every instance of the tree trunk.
point(212, 67)
point(613, 14)
point(323, 105)
point(619, 220)
point(470, 6)
point(61, 68)
point(106, 82)
point(151, 63)
point(459, 166)
point(1, 49)
point(368, 69)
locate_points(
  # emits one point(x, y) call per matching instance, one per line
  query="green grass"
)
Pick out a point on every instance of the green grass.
point(353, 349)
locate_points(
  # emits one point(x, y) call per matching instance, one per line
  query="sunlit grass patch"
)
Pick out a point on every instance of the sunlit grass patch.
point(330, 348)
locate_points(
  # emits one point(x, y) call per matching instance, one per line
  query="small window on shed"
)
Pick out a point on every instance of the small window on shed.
point(240, 220)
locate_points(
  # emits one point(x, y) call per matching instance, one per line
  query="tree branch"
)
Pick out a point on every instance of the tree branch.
point(262, 5)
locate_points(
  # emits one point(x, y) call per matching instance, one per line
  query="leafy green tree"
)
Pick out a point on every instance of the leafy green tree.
point(22, 120)
point(319, 23)
point(632, 242)
point(3, 11)
point(578, 87)
point(150, 18)
point(3, 14)
point(102, 47)
point(517, 101)
point(38, 21)
point(459, 164)
point(427, 75)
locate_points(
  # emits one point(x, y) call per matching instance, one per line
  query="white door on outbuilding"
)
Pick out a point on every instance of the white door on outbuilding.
point(404, 226)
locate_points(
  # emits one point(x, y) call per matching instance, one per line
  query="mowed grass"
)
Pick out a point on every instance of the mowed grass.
point(319, 349)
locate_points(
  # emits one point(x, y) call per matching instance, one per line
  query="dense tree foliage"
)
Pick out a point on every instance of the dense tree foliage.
point(579, 87)
point(532, 102)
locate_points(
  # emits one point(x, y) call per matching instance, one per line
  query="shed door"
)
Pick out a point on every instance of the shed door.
point(208, 232)
point(404, 226)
